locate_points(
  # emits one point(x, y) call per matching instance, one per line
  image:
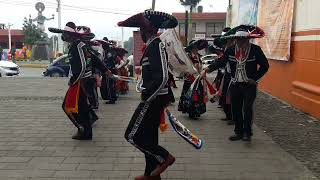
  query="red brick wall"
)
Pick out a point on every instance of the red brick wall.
point(137, 47)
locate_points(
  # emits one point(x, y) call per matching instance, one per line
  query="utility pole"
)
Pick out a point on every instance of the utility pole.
point(153, 4)
point(9, 35)
point(122, 34)
point(60, 44)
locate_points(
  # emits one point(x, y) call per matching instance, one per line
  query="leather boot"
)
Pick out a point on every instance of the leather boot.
point(143, 177)
point(85, 135)
point(163, 166)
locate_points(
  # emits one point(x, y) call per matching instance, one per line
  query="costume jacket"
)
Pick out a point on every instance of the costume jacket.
point(154, 70)
point(83, 61)
point(242, 71)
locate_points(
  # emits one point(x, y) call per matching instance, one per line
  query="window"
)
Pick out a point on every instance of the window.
point(193, 31)
point(210, 29)
point(218, 27)
point(181, 29)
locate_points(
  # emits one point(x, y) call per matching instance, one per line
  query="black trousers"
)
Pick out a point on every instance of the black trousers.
point(225, 89)
point(142, 132)
point(85, 113)
point(91, 89)
point(242, 99)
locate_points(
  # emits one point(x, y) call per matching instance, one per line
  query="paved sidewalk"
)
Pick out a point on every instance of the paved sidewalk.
point(35, 142)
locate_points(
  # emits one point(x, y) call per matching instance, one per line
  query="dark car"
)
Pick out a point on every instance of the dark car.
point(59, 67)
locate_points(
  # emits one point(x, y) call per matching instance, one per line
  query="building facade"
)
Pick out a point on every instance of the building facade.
point(296, 81)
point(16, 38)
point(203, 24)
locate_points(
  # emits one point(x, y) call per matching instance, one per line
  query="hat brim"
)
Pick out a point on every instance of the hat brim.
point(159, 20)
point(243, 37)
point(133, 21)
point(199, 44)
point(60, 31)
point(121, 51)
point(215, 35)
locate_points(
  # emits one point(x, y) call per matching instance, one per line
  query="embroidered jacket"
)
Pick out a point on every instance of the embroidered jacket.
point(253, 67)
point(81, 64)
point(154, 70)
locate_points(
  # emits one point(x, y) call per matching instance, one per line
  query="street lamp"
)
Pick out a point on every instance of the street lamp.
point(9, 35)
point(60, 44)
point(186, 25)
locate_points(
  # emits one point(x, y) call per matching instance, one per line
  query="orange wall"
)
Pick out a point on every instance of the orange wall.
point(298, 80)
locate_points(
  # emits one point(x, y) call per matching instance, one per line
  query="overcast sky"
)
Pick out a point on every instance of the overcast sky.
point(95, 13)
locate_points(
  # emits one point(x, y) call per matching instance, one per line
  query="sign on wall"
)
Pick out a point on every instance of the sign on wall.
point(248, 10)
point(275, 18)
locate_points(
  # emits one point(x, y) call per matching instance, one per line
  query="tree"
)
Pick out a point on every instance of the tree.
point(31, 32)
point(128, 45)
point(192, 4)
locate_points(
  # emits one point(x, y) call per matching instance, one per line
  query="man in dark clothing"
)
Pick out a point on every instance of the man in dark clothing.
point(142, 130)
point(248, 64)
point(1, 53)
point(75, 104)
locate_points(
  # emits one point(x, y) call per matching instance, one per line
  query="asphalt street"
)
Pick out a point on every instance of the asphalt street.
point(31, 72)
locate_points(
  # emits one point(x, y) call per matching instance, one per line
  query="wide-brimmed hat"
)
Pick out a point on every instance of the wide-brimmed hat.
point(83, 31)
point(217, 47)
point(244, 31)
point(69, 28)
point(120, 51)
point(158, 20)
point(199, 44)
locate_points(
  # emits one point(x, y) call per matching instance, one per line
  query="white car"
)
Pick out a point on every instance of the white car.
point(8, 68)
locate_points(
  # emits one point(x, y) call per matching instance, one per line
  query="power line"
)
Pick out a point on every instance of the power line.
point(70, 7)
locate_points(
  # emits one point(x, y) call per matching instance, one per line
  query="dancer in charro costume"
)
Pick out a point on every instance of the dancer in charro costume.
point(122, 87)
point(220, 45)
point(76, 104)
point(248, 64)
point(196, 105)
point(142, 131)
point(109, 84)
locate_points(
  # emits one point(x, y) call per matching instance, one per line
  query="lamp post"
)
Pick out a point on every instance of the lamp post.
point(9, 35)
point(186, 25)
point(153, 4)
point(60, 44)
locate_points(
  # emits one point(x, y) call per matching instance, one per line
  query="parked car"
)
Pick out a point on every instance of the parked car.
point(59, 67)
point(8, 68)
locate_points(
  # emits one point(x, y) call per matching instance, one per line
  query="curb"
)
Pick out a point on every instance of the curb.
point(33, 65)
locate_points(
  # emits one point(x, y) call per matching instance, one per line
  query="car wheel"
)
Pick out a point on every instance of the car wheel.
point(0, 75)
point(55, 74)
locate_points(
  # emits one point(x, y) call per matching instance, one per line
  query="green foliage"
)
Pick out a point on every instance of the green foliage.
point(31, 32)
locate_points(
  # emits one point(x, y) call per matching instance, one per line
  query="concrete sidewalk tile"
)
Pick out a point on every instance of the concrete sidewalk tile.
point(73, 174)
point(36, 143)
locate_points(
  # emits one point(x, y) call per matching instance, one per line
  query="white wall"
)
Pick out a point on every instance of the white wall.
point(232, 22)
point(306, 15)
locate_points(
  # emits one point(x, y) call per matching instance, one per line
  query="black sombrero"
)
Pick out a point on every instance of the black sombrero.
point(199, 44)
point(244, 31)
point(69, 28)
point(83, 31)
point(158, 19)
point(120, 51)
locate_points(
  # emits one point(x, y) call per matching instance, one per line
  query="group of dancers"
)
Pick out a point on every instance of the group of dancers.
point(243, 62)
